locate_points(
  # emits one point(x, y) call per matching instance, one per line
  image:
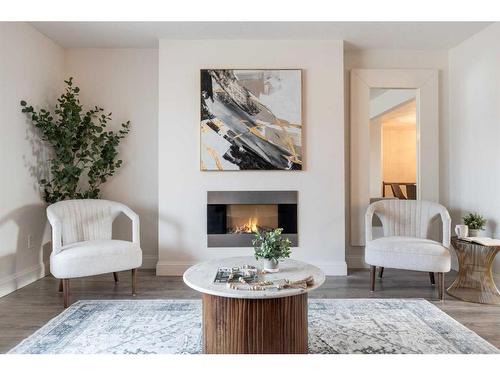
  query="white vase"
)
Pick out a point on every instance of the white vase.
point(271, 265)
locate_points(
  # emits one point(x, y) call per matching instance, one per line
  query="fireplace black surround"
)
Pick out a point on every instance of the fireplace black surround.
point(233, 216)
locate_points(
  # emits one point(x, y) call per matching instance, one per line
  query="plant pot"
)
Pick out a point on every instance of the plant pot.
point(271, 265)
point(474, 232)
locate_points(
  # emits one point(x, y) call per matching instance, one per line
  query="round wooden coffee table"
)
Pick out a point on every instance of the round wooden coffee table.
point(253, 322)
point(474, 282)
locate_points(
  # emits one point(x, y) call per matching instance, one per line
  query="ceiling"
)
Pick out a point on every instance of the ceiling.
point(357, 35)
point(404, 114)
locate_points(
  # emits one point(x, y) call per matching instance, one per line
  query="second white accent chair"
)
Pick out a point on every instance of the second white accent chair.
point(405, 244)
point(82, 243)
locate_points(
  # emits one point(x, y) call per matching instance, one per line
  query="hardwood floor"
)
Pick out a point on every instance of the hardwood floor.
point(27, 309)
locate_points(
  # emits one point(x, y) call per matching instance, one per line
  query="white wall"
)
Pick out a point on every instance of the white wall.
point(125, 82)
point(31, 69)
point(183, 188)
point(474, 178)
point(402, 59)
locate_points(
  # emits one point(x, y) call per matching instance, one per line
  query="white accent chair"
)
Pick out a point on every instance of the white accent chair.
point(405, 244)
point(82, 243)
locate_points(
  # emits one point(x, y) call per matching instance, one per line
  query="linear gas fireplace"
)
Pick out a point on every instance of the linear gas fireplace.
point(233, 216)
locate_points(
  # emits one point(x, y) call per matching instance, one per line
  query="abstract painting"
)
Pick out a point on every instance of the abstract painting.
point(251, 119)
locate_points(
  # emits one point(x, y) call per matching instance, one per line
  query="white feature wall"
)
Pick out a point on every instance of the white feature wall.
point(31, 68)
point(125, 82)
point(475, 129)
point(183, 187)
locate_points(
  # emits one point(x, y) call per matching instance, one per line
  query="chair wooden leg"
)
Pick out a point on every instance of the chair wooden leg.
point(441, 285)
point(373, 270)
point(115, 275)
point(66, 292)
point(134, 281)
point(431, 276)
point(380, 272)
point(60, 286)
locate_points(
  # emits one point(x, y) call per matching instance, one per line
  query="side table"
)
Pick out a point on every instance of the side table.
point(474, 282)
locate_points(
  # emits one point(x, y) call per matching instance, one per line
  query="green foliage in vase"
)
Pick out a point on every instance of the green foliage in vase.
point(84, 151)
point(474, 221)
point(271, 245)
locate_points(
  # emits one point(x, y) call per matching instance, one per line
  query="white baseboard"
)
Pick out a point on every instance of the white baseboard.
point(22, 278)
point(178, 268)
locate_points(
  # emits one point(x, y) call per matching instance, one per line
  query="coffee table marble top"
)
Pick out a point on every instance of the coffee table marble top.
point(201, 276)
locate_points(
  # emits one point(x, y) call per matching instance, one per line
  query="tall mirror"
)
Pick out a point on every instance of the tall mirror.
point(393, 143)
point(394, 113)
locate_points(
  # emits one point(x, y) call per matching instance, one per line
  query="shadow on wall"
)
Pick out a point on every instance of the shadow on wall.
point(38, 163)
point(25, 230)
point(491, 228)
point(31, 222)
point(176, 250)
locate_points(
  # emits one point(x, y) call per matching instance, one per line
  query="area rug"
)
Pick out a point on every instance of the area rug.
point(174, 326)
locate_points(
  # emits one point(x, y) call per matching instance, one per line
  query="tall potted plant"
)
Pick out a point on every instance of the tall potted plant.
point(271, 246)
point(84, 149)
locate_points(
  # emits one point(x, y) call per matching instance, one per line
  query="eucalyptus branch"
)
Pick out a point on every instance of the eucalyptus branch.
point(84, 150)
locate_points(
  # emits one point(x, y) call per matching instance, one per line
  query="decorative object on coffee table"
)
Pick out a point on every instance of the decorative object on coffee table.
point(475, 282)
point(475, 223)
point(237, 321)
point(271, 246)
point(246, 274)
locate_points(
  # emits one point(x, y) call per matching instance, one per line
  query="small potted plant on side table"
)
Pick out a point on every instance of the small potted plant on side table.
point(475, 223)
point(271, 246)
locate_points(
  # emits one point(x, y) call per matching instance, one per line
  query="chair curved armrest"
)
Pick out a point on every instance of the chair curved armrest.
point(368, 222)
point(446, 219)
point(136, 234)
point(56, 225)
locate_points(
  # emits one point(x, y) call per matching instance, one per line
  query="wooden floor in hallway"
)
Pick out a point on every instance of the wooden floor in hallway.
point(25, 310)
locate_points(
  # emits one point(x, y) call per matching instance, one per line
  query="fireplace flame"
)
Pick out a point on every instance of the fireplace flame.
point(249, 227)
point(252, 222)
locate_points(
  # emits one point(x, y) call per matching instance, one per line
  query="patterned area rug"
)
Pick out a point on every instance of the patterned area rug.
point(174, 326)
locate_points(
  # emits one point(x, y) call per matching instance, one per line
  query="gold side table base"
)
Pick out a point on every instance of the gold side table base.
point(474, 282)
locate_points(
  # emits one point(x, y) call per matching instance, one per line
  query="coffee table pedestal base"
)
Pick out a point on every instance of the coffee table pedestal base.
point(255, 326)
